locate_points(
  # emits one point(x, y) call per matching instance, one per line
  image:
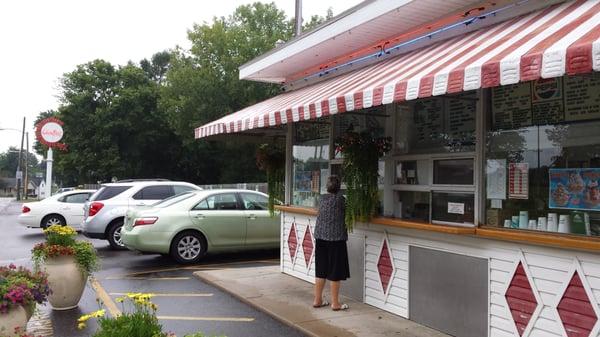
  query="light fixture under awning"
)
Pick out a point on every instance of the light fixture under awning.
point(561, 39)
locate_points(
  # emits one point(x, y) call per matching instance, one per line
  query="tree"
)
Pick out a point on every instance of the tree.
point(9, 162)
point(137, 121)
point(112, 127)
point(203, 84)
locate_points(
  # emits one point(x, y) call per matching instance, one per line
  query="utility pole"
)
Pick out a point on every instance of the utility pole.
point(298, 18)
point(26, 181)
point(19, 172)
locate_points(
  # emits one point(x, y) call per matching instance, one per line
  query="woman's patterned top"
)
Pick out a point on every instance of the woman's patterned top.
point(330, 219)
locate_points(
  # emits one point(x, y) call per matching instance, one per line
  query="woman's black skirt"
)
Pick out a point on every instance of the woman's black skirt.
point(331, 260)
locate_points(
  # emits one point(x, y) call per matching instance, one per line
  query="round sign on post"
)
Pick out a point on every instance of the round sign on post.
point(49, 132)
point(52, 132)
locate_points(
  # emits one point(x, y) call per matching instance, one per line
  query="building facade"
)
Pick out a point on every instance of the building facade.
point(489, 216)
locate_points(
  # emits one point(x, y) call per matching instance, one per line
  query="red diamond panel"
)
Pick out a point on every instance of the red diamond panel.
point(292, 241)
point(520, 298)
point(384, 266)
point(307, 245)
point(575, 310)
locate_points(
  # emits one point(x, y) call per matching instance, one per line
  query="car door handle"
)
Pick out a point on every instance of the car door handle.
point(252, 217)
point(140, 204)
point(199, 216)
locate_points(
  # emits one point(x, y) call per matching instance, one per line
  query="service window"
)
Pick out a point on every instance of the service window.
point(451, 207)
point(542, 160)
point(157, 192)
point(311, 162)
point(453, 171)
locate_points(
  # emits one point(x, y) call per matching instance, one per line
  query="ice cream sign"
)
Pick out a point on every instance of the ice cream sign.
point(575, 189)
point(49, 132)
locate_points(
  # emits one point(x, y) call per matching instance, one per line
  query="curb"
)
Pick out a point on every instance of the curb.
point(259, 308)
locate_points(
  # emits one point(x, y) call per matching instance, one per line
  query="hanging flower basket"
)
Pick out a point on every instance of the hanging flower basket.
point(361, 152)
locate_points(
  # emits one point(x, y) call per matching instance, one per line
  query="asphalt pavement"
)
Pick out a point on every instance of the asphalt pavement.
point(185, 303)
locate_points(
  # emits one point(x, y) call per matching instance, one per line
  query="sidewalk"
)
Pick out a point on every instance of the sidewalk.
point(290, 300)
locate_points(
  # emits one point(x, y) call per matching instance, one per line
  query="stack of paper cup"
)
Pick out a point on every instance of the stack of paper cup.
point(532, 224)
point(552, 222)
point(564, 224)
point(514, 223)
point(523, 219)
point(588, 230)
point(507, 223)
point(542, 224)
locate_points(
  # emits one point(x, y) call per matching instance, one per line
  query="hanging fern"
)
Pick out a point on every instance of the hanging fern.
point(271, 159)
point(360, 173)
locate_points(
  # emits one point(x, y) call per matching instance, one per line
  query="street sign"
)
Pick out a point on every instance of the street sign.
point(19, 175)
point(39, 174)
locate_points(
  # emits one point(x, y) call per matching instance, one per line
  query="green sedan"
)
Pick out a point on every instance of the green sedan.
point(188, 225)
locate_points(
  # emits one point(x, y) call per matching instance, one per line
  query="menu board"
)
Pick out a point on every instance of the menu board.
point(546, 101)
point(511, 106)
point(460, 119)
point(518, 180)
point(428, 119)
point(582, 100)
point(547, 105)
point(575, 189)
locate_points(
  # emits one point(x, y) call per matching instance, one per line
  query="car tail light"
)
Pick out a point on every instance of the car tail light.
point(25, 209)
point(144, 221)
point(95, 207)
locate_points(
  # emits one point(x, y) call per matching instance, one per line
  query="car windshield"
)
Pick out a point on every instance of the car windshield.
point(173, 200)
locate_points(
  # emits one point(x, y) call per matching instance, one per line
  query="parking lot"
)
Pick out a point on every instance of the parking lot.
point(185, 304)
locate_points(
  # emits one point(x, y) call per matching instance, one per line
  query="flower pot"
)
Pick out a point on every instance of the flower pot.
point(30, 310)
point(66, 282)
point(16, 317)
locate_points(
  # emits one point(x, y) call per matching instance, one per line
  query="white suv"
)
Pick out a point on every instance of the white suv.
point(105, 211)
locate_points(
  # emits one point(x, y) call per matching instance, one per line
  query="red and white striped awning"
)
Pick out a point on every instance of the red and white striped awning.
point(561, 39)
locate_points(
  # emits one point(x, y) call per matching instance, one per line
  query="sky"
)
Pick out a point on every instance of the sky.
point(41, 40)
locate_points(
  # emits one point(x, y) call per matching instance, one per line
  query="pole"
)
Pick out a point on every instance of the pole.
point(298, 18)
point(19, 174)
point(48, 173)
point(26, 181)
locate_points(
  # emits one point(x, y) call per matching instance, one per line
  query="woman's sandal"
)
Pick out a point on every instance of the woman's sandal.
point(323, 304)
point(344, 306)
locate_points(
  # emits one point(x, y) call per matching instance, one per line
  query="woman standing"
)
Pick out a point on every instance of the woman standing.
point(331, 254)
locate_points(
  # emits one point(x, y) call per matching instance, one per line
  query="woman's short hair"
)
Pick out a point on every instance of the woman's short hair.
point(333, 184)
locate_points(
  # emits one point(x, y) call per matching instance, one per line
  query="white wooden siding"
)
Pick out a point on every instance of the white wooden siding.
point(548, 268)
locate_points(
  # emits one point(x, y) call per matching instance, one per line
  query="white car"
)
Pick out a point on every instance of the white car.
point(60, 209)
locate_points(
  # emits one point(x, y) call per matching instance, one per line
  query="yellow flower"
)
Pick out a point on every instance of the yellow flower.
point(119, 299)
point(95, 314)
point(84, 318)
point(99, 313)
point(60, 230)
point(81, 326)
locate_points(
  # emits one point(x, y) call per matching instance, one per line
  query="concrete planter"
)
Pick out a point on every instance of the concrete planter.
point(66, 282)
point(16, 317)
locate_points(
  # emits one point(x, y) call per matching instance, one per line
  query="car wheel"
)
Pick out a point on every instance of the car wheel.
point(53, 219)
point(114, 235)
point(188, 247)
